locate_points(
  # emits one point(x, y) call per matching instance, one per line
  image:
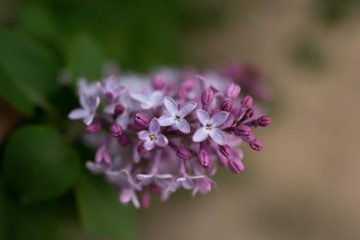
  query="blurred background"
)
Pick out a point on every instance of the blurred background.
point(302, 185)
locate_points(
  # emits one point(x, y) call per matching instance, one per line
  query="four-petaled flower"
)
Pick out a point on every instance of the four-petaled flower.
point(176, 116)
point(153, 136)
point(110, 90)
point(88, 110)
point(210, 127)
point(149, 102)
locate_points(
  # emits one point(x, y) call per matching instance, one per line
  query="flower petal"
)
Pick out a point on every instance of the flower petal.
point(95, 168)
point(186, 108)
point(146, 105)
point(219, 118)
point(154, 126)
point(140, 98)
point(170, 105)
point(123, 120)
point(166, 120)
point(162, 180)
point(110, 108)
point(203, 116)
point(84, 101)
point(78, 113)
point(156, 97)
point(161, 140)
point(143, 135)
point(218, 136)
point(128, 195)
point(186, 183)
point(88, 119)
point(94, 103)
point(149, 145)
point(200, 135)
point(101, 87)
point(145, 179)
point(120, 90)
point(183, 126)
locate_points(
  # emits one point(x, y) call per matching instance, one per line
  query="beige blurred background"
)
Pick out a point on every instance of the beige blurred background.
point(305, 182)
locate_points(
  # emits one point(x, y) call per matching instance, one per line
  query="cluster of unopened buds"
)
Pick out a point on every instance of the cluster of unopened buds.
point(169, 132)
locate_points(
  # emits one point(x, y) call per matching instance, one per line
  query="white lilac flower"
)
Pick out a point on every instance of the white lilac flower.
point(149, 102)
point(176, 116)
point(153, 137)
point(210, 127)
point(88, 110)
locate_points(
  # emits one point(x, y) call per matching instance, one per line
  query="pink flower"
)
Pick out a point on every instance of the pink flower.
point(209, 127)
point(153, 137)
point(176, 116)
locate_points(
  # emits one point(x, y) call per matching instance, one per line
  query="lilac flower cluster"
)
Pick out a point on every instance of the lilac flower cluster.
point(169, 133)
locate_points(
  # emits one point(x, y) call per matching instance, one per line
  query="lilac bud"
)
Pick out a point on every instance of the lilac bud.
point(203, 158)
point(93, 128)
point(247, 101)
point(145, 199)
point(207, 97)
point(185, 88)
point(256, 145)
point(116, 130)
point(226, 105)
point(135, 127)
point(264, 121)
point(141, 120)
point(119, 109)
point(141, 149)
point(123, 140)
point(233, 90)
point(236, 165)
point(242, 130)
point(225, 150)
point(159, 82)
point(223, 162)
point(154, 188)
point(248, 114)
point(183, 153)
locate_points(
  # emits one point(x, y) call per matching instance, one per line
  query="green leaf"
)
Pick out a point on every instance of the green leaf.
point(37, 165)
point(86, 59)
point(100, 211)
point(27, 73)
point(31, 222)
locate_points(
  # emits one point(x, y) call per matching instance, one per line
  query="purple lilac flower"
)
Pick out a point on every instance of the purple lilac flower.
point(176, 116)
point(151, 140)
